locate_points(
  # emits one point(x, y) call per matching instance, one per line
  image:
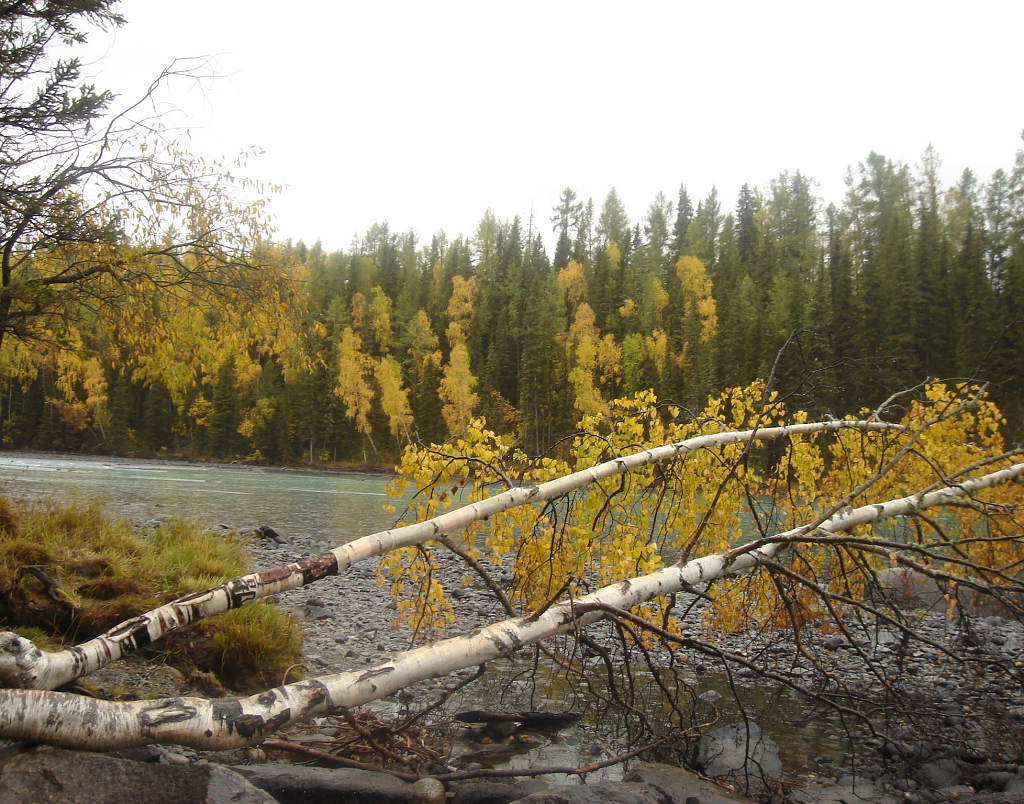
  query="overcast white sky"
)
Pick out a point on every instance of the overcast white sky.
point(426, 113)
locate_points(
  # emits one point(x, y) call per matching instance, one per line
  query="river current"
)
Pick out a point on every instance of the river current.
point(314, 509)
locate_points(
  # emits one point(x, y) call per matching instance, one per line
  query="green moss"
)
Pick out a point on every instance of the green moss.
point(257, 641)
point(71, 573)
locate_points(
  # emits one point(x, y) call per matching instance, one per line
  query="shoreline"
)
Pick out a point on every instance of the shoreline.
point(326, 469)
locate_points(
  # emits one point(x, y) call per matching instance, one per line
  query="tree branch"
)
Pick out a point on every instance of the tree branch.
point(70, 720)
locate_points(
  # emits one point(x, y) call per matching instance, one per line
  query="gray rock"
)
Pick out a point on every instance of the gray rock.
point(316, 613)
point(957, 792)
point(298, 784)
point(46, 774)
point(884, 637)
point(599, 793)
point(678, 785)
point(908, 589)
point(430, 791)
point(991, 780)
point(939, 773)
point(741, 750)
point(479, 791)
point(267, 532)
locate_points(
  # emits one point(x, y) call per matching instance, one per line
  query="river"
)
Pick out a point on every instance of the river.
point(317, 510)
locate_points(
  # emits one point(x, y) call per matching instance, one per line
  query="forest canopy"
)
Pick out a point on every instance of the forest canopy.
point(349, 355)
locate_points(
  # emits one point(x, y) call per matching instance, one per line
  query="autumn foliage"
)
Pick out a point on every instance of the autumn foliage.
point(720, 498)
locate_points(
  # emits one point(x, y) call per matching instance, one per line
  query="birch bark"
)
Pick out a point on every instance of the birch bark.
point(74, 721)
point(24, 665)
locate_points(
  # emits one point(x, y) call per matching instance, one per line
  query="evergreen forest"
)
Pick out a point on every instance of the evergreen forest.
point(345, 357)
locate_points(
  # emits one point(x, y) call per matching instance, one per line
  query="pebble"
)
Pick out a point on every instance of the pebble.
point(174, 758)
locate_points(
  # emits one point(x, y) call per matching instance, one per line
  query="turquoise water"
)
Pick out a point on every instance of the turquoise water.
point(314, 509)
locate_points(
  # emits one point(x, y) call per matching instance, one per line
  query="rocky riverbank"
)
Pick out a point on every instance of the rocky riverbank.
point(946, 708)
point(939, 728)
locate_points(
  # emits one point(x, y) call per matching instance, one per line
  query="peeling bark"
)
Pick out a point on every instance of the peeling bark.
point(75, 721)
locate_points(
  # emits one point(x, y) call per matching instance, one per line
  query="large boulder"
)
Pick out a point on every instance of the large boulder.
point(299, 784)
point(740, 752)
point(908, 589)
point(680, 786)
point(46, 774)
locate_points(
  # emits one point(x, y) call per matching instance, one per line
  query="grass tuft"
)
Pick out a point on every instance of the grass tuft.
point(71, 573)
point(257, 640)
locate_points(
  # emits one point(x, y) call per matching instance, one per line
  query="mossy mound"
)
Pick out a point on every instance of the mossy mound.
point(70, 573)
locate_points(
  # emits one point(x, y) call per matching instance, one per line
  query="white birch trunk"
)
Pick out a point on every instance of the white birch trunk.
point(70, 720)
point(25, 666)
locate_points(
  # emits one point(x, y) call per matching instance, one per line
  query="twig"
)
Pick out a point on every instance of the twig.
point(448, 693)
point(485, 576)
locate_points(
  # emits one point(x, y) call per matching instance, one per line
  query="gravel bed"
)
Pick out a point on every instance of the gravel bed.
point(942, 723)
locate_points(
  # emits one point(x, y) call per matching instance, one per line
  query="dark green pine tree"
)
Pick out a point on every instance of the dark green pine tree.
point(123, 412)
point(223, 438)
point(157, 417)
point(748, 240)
point(929, 300)
point(271, 438)
point(566, 222)
point(842, 314)
point(1005, 214)
point(681, 227)
point(880, 231)
point(545, 411)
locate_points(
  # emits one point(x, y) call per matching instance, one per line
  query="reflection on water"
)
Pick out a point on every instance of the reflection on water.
point(806, 734)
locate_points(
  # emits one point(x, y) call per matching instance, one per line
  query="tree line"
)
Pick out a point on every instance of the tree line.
point(346, 356)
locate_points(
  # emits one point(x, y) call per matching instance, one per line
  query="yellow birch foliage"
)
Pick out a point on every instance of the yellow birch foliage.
point(697, 299)
point(456, 387)
point(960, 540)
point(460, 308)
point(456, 390)
point(713, 499)
point(394, 399)
point(572, 284)
point(583, 348)
point(352, 387)
point(82, 394)
point(380, 319)
point(358, 312)
point(609, 360)
point(408, 572)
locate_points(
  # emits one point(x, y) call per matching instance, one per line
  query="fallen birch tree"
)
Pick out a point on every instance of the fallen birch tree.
point(76, 721)
point(23, 665)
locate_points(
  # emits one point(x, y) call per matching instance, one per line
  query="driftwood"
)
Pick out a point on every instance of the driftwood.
point(528, 720)
point(24, 665)
point(71, 720)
